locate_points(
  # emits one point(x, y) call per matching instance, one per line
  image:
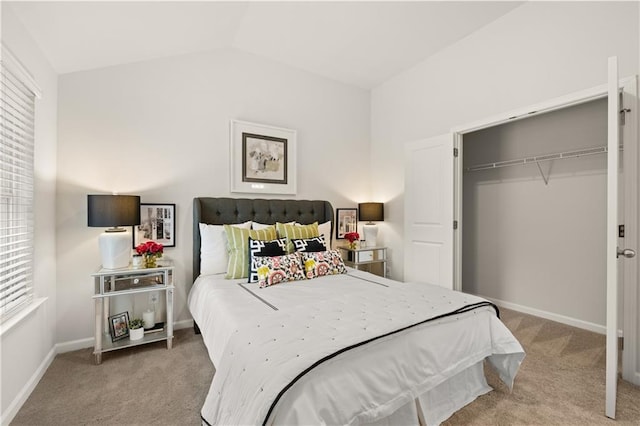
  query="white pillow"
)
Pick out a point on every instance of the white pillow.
point(324, 229)
point(214, 257)
point(258, 226)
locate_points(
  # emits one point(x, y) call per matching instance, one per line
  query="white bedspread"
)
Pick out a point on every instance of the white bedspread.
point(271, 345)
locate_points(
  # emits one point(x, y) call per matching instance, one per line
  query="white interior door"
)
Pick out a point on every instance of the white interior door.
point(613, 141)
point(629, 290)
point(428, 232)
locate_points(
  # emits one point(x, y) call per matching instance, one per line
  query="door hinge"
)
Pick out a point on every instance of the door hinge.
point(620, 231)
point(620, 343)
point(455, 152)
point(455, 224)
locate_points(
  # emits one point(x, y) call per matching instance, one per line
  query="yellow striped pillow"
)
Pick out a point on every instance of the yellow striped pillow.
point(238, 248)
point(296, 231)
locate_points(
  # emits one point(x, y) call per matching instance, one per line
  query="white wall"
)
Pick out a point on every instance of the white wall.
point(160, 129)
point(27, 348)
point(536, 52)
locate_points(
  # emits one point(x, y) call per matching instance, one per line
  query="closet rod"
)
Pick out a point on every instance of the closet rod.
point(540, 158)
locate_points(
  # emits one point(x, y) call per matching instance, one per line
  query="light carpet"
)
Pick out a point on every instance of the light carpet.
point(561, 382)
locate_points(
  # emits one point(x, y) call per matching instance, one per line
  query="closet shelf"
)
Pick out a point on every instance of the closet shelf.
point(540, 158)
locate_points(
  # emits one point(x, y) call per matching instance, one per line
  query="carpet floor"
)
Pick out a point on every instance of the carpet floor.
point(561, 382)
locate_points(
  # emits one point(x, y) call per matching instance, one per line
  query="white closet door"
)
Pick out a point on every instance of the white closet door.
point(613, 142)
point(428, 232)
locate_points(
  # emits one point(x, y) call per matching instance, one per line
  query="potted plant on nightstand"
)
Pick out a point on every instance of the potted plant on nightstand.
point(136, 329)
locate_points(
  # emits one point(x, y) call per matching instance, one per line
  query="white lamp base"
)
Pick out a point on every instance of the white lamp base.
point(371, 235)
point(115, 249)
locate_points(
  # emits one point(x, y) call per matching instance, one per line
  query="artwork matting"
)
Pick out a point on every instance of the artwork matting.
point(263, 158)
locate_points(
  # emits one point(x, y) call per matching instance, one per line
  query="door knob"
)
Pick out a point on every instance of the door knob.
point(628, 253)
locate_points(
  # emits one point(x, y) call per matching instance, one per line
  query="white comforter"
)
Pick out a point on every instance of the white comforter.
point(275, 350)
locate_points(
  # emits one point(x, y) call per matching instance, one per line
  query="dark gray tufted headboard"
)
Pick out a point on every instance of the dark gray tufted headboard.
point(220, 211)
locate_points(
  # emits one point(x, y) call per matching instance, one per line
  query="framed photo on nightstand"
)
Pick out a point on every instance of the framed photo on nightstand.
point(119, 326)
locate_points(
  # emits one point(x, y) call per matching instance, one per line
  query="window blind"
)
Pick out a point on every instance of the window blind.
point(17, 116)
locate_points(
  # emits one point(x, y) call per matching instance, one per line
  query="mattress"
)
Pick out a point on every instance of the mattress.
point(399, 373)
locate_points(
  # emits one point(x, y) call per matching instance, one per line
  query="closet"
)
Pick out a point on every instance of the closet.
point(534, 196)
point(524, 208)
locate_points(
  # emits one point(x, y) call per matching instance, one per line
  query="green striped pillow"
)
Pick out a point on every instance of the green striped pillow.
point(296, 231)
point(238, 248)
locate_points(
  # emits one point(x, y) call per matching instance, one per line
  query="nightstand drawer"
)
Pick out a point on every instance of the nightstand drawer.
point(131, 282)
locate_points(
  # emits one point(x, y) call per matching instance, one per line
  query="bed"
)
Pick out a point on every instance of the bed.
point(350, 348)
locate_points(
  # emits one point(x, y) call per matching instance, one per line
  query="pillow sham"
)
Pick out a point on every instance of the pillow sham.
point(323, 263)
point(278, 269)
point(296, 231)
point(324, 229)
point(214, 257)
point(238, 245)
point(258, 226)
point(309, 244)
point(259, 248)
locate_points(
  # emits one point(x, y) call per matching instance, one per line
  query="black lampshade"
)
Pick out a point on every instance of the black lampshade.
point(113, 210)
point(371, 212)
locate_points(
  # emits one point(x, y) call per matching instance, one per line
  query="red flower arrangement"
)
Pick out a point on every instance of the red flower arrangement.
point(352, 236)
point(150, 247)
point(151, 251)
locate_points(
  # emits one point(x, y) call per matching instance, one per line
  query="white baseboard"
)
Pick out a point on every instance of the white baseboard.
point(87, 342)
point(23, 395)
point(74, 345)
point(183, 324)
point(585, 325)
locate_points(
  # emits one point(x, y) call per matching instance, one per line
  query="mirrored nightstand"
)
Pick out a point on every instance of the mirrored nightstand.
point(370, 259)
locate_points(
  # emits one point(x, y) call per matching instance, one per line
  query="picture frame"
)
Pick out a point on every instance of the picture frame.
point(119, 326)
point(263, 158)
point(157, 223)
point(346, 221)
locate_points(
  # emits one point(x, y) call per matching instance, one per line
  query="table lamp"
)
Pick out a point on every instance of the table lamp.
point(371, 212)
point(112, 212)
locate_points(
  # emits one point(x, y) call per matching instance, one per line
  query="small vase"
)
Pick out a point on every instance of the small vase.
point(352, 245)
point(136, 333)
point(150, 260)
point(136, 261)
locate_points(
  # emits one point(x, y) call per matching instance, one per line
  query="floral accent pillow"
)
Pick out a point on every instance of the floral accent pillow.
point(260, 248)
point(318, 264)
point(278, 269)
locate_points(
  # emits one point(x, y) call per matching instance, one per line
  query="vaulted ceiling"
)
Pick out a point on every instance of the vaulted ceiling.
point(359, 43)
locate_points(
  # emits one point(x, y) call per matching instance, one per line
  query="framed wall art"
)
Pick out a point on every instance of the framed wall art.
point(157, 223)
point(119, 326)
point(263, 158)
point(347, 221)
